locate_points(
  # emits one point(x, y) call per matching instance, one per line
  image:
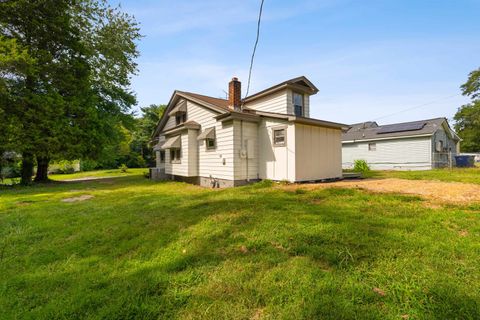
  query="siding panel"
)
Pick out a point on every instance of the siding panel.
point(276, 163)
point(318, 153)
point(395, 154)
point(277, 102)
point(245, 168)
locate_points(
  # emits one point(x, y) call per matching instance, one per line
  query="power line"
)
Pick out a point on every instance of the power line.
point(254, 48)
point(416, 107)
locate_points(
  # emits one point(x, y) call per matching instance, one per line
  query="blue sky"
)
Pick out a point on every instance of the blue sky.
point(369, 58)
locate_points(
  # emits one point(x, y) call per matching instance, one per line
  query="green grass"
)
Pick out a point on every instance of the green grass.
point(98, 174)
point(142, 249)
point(466, 175)
point(89, 174)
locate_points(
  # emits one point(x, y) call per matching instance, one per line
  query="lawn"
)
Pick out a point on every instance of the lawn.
point(86, 175)
point(467, 175)
point(142, 249)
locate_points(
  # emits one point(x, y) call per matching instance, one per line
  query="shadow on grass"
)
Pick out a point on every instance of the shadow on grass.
point(159, 259)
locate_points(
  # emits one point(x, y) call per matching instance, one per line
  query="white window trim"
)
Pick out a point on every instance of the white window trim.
point(370, 144)
point(279, 145)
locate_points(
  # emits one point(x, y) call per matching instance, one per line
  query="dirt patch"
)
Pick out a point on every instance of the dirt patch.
point(463, 233)
point(80, 198)
point(258, 314)
point(23, 203)
point(88, 179)
point(444, 192)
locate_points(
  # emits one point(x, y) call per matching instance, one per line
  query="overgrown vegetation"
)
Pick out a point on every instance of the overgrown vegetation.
point(141, 249)
point(362, 167)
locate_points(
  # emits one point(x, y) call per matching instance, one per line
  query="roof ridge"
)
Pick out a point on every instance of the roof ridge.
point(202, 95)
point(431, 119)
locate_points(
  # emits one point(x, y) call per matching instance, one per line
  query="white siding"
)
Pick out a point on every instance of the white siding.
point(276, 163)
point(192, 153)
point(159, 164)
point(170, 123)
point(276, 102)
point(218, 162)
point(394, 154)
point(318, 153)
point(245, 133)
point(279, 102)
point(179, 169)
point(171, 120)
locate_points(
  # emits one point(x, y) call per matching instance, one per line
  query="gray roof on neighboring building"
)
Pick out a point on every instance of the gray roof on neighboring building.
point(372, 131)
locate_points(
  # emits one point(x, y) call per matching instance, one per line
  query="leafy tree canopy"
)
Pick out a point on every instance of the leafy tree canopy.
point(65, 68)
point(468, 116)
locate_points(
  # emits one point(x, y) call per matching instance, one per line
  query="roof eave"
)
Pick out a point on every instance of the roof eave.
point(161, 123)
point(232, 115)
point(318, 122)
point(289, 84)
point(388, 138)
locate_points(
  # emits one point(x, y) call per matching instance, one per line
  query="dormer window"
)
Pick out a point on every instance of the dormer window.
point(298, 106)
point(180, 117)
point(179, 112)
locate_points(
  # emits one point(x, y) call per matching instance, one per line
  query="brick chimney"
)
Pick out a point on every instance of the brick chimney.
point(235, 94)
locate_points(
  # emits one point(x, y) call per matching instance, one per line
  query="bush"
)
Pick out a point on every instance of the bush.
point(362, 167)
point(64, 166)
point(88, 165)
point(123, 168)
point(10, 165)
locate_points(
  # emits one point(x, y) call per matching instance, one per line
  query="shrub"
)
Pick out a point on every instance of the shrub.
point(123, 168)
point(88, 165)
point(64, 166)
point(362, 167)
point(263, 184)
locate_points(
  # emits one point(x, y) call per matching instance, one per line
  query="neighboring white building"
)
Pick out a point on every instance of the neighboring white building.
point(418, 145)
point(268, 135)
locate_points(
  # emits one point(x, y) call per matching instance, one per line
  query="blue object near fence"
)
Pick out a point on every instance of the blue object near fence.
point(465, 161)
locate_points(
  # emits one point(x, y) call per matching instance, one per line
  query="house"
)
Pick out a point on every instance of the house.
point(230, 142)
point(417, 145)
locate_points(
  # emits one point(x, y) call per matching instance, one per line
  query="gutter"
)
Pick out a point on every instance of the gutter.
point(388, 138)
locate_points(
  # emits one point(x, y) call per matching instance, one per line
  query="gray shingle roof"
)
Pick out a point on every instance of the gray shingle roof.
point(371, 132)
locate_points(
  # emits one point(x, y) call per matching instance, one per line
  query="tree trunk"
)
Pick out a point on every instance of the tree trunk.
point(27, 169)
point(42, 169)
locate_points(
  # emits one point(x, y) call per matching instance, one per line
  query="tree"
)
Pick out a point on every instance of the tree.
point(467, 118)
point(70, 99)
point(145, 127)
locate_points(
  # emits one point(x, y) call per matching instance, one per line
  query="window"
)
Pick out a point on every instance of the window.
point(162, 156)
point(372, 147)
point(210, 143)
point(180, 117)
point(298, 104)
point(175, 155)
point(439, 147)
point(279, 137)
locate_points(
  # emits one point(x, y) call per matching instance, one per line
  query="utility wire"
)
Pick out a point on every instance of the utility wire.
point(254, 48)
point(416, 107)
